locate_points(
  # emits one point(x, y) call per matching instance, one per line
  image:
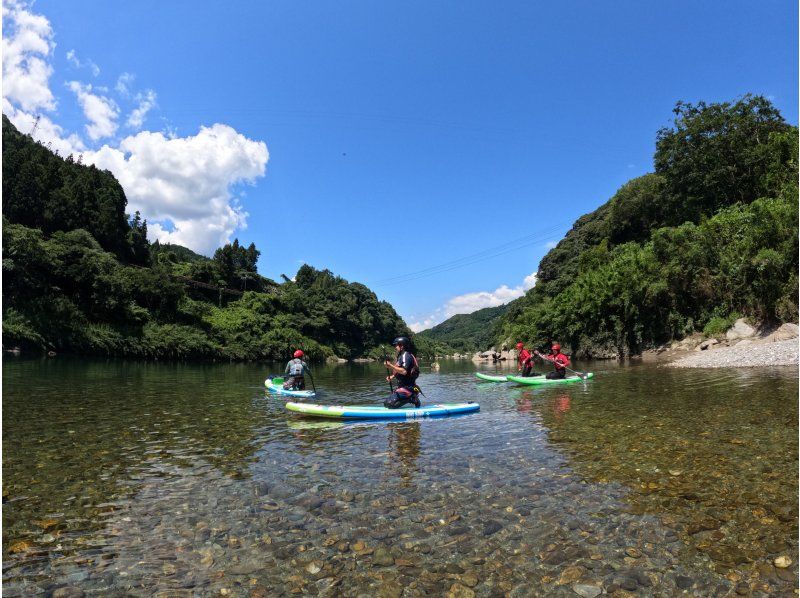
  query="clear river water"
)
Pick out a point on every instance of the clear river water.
point(129, 478)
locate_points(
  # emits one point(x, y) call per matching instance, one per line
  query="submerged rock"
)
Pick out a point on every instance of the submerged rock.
point(586, 590)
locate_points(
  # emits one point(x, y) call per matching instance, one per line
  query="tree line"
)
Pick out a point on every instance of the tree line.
point(710, 236)
point(79, 275)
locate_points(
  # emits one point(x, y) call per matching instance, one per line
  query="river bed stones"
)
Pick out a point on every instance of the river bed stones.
point(522, 511)
point(586, 590)
point(782, 562)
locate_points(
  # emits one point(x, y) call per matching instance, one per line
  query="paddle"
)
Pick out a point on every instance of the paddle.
point(581, 375)
point(385, 358)
point(312, 381)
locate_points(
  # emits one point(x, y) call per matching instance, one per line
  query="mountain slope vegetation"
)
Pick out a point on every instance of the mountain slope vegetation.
point(464, 333)
point(711, 235)
point(80, 276)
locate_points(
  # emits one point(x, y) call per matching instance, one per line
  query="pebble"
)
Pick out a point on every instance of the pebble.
point(586, 590)
point(459, 591)
point(684, 582)
point(782, 562)
point(382, 557)
point(570, 575)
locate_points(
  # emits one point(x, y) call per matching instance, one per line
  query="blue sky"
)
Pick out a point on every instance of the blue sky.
point(380, 139)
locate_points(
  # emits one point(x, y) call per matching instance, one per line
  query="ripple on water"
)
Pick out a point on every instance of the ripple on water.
point(188, 479)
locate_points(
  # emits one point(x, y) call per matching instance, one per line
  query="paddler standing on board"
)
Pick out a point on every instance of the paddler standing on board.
point(559, 361)
point(524, 363)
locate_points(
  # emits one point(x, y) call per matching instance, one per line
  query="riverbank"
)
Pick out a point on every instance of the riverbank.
point(746, 354)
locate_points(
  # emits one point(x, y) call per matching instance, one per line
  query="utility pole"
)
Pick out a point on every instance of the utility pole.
point(35, 126)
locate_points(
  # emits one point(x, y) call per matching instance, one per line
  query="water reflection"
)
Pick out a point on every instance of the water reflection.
point(124, 478)
point(560, 405)
point(404, 448)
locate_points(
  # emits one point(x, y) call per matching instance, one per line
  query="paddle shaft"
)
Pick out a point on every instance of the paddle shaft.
point(580, 374)
point(389, 380)
point(314, 386)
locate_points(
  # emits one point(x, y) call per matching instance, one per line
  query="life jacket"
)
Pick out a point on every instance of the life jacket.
point(296, 367)
point(560, 361)
point(410, 379)
point(414, 373)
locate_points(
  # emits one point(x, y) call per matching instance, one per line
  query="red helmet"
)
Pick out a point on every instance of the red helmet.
point(298, 353)
point(520, 345)
point(555, 347)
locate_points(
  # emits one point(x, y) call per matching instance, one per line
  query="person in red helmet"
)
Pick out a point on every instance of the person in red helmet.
point(559, 361)
point(296, 370)
point(524, 360)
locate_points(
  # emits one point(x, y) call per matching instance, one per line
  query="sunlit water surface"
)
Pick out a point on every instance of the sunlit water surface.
point(126, 478)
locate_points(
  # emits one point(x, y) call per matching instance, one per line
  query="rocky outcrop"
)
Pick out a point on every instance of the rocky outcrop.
point(739, 330)
point(784, 333)
point(493, 355)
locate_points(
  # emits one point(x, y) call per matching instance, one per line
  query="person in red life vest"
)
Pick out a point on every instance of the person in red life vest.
point(524, 360)
point(559, 361)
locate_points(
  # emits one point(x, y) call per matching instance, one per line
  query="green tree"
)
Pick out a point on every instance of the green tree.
point(716, 155)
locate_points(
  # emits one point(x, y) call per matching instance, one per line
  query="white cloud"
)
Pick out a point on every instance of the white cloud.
point(100, 111)
point(183, 186)
point(551, 244)
point(27, 43)
point(75, 61)
point(428, 322)
point(424, 325)
point(147, 101)
point(471, 302)
point(529, 282)
point(124, 84)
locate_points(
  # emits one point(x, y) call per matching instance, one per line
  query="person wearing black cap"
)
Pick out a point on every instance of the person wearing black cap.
point(405, 371)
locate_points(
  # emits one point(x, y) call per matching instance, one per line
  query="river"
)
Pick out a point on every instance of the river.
point(130, 478)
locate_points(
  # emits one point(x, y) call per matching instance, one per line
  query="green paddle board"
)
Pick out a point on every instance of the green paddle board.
point(489, 378)
point(534, 380)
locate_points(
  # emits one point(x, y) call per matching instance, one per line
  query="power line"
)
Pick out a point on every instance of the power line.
point(486, 254)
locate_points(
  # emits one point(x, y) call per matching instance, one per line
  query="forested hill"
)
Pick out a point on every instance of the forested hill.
point(711, 235)
point(464, 333)
point(80, 276)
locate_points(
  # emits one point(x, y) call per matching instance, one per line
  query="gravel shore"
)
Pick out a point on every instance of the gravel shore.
point(745, 354)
